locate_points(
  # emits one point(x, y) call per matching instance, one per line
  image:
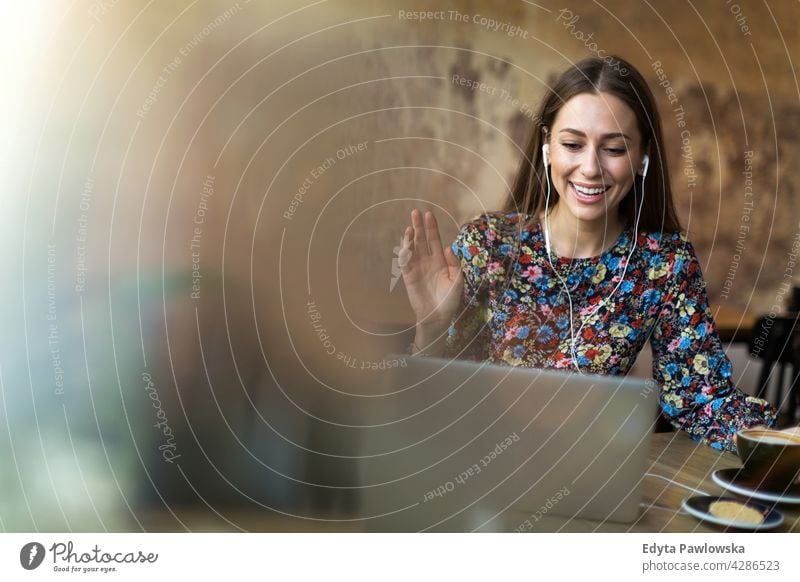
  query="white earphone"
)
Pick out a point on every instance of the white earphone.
point(645, 164)
point(546, 161)
point(545, 158)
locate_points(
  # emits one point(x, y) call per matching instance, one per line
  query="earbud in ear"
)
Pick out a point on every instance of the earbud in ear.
point(546, 154)
point(645, 165)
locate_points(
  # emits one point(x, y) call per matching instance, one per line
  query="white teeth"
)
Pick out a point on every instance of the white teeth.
point(583, 190)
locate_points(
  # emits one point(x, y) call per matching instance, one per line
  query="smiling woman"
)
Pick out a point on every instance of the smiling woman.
point(587, 263)
point(591, 163)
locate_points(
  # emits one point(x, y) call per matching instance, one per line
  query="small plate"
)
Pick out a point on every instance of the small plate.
point(699, 508)
point(735, 481)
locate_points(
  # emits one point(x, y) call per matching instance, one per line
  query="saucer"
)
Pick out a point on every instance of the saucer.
point(699, 508)
point(735, 481)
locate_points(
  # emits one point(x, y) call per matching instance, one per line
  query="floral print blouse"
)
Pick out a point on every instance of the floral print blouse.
point(515, 311)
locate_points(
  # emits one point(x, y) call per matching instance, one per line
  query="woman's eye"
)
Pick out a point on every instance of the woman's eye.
point(576, 146)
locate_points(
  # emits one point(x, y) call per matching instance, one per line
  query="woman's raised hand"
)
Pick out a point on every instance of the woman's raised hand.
point(431, 273)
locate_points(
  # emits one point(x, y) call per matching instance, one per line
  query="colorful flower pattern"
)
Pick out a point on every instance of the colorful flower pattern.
point(515, 312)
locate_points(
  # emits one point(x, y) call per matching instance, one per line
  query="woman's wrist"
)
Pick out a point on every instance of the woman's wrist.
point(429, 339)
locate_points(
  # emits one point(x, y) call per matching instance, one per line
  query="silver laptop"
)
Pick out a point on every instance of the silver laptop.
point(453, 445)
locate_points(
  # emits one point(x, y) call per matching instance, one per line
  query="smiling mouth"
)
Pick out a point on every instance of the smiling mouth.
point(588, 196)
point(589, 192)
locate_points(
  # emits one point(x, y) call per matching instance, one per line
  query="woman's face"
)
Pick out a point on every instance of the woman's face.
point(595, 154)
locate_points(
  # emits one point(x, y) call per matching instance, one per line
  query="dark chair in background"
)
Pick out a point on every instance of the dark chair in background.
point(662, 424)
point(776, 342)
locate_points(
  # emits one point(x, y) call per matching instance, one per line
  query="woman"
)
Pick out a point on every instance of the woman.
point(586, 264)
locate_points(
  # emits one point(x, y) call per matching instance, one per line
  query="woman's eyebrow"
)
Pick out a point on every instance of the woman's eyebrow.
point(604, 136)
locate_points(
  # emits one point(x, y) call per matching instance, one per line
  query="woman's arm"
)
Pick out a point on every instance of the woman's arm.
point(691, 367)
point(468, 336)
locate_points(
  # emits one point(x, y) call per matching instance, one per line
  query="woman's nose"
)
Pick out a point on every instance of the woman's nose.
point(590, 164)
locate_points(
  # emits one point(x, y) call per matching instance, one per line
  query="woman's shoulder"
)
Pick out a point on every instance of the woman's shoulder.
point(666, 242)
point(489, 228)
point(486, 240)
point(667, 254)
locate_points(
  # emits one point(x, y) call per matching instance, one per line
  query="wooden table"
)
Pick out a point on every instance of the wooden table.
point(676, 456)
point(672, 455)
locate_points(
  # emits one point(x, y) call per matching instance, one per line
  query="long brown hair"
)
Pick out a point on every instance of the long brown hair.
point(617, 77)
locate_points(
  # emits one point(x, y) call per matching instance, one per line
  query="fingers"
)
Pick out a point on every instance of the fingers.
point(420, 241)
point(451, 258)
point(432, 233)
point(453, 263)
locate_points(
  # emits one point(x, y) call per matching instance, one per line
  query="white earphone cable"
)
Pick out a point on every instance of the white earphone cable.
point(646, 164)
point(545, 151)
